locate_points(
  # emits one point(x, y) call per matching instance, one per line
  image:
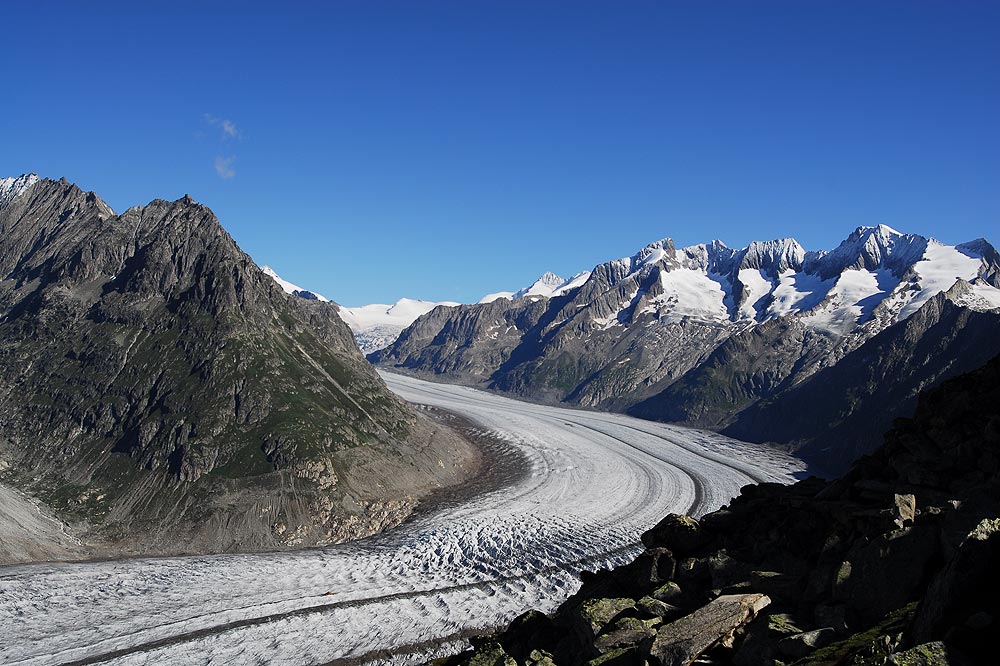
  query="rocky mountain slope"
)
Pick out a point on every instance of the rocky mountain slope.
point(699, 335)
point(893, 564)
point(161, 394)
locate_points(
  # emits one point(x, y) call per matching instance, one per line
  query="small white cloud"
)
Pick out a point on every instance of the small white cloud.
point(224, 167)
point(228, 127)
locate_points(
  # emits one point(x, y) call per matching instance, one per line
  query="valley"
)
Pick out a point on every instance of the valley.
point(594, 481)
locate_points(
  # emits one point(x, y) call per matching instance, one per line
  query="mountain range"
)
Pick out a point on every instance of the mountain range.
point(768, 343)
point(161, 394)
point(376, 326)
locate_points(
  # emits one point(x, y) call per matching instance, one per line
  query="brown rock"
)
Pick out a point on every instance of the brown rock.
point(904, 509)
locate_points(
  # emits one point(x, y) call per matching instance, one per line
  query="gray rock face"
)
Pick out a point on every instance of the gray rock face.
point(722, 338)
point(164, 395)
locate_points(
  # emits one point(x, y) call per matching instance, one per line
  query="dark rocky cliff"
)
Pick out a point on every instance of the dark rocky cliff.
point(894, 563)
point(164, 395)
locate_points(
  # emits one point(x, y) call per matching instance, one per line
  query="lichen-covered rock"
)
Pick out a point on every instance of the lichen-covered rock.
point(799, 645)
point(624, 633)
point(491, 654)
point(593, 615)
point(927, 654)
point(670, 593)
point(654, 608)
point(630, 656)
point(682, 641)
point(678, 533)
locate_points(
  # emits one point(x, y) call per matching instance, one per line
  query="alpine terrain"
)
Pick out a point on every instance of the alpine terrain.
point(745, 341)
point(893, 564)
point(160, 394)
point(376, 326)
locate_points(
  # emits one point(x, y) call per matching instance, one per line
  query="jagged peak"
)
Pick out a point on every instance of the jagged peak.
point(714, 257)
point(980, 248)
point(13, 187)
point(650, 254)
point(871, 248)
point(550, 278)
point(774, 256)
point(546, 285)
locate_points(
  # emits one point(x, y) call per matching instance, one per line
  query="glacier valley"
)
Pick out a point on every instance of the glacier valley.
point(594, 482)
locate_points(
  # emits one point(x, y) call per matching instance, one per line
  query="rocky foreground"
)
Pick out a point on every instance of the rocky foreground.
point(895, 563)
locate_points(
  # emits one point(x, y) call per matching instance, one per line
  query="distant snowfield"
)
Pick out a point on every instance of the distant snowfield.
point(596, 481)
point(377, 326)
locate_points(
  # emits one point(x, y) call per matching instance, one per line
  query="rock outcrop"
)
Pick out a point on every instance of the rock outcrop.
point(163, 395)
point(894, 563)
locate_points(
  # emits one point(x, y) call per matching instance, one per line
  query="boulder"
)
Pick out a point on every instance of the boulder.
point(682, 641)
point(799, 645)
point(904, 510)
point(539, 658)
point(928, 654)
point(654, 608)
point(593, 615)
point(526, 633)
point(670, 593)
point(890, 571)
point(624, 633)
point(678, 533)
point(620, 657)
point(651, 569)
point(491, 654)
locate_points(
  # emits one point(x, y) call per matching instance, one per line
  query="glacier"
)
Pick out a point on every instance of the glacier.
point(595, 481)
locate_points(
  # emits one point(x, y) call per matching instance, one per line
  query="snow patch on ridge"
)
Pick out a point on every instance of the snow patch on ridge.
point(13, 187)
point(852, 299)
point(756, 287)
point(691, 294)
point(293, 289)
point(938, 269)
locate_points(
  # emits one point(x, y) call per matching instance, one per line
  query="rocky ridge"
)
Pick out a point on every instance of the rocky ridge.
point(892, 564)
point(163, 395)
point(699, 335)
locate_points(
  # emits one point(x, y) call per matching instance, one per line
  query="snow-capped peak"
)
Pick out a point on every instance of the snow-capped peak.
point(293, 289)
point(773, 257)
point(548, 285)
point(13, 187)
point(870, 248)
point(543, 286)
point(650, 254)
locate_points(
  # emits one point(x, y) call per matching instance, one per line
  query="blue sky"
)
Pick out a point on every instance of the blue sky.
point(442, 150)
